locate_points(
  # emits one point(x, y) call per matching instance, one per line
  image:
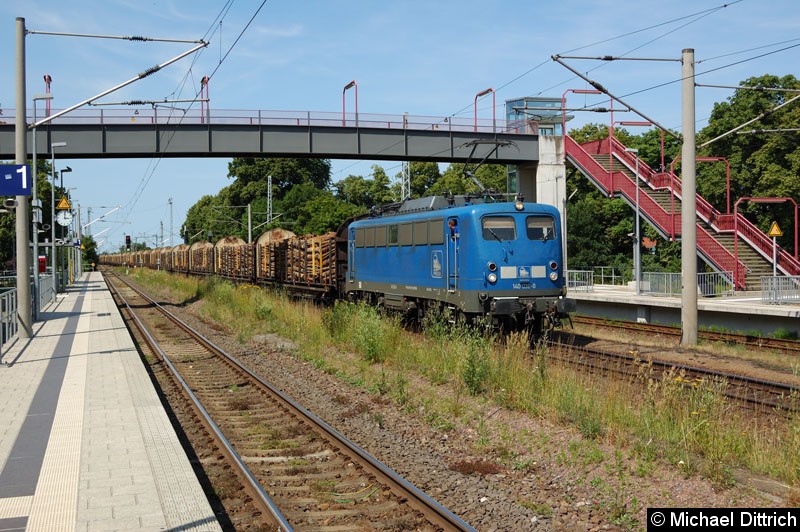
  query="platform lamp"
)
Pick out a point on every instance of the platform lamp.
point(350, 85)
point(37, 216)
point(637, 256)
point(475, 109)
point(53, 147)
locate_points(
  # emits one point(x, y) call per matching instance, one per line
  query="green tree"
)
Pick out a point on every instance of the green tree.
point(199, 223)
point(356, 190)
point(765, 164)
point(89, 251)
point(422, 176)
point(381, 190)
point(453, 181)
point(251, 176)
point(308, 210)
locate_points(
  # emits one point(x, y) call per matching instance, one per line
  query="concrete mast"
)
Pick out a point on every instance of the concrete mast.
point(688, 206)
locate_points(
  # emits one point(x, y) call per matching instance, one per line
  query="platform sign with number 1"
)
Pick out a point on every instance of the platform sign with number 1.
point(15, 180)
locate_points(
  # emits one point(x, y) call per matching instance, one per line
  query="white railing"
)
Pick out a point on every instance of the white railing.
point(711, 284)
point(776, 290)
point(580, 280)
point(256, 117)
point(608, 275)
point(661, 283)
point(8, 318)
point(47, 290)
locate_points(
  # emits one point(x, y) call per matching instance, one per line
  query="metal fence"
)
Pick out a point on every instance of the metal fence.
point(780, 289)
point(47, 290)
point(580, 280)
point(711, 284)
point(661, 283)
point(714, 284)
point(8, 318)
point(608, 275)
point(652, 283)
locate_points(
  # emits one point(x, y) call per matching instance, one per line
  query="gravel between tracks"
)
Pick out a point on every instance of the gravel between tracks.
point(567, 483)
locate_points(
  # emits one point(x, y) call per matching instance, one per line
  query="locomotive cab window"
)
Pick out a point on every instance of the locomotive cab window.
point(369, 237)
point(500, 228)
point(540, 227)
point(360, 238)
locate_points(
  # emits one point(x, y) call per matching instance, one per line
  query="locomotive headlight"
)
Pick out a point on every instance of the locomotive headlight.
point(492, 267)
point(553, 265)
point(492, 278)
point(553, 276)
point(518, 205)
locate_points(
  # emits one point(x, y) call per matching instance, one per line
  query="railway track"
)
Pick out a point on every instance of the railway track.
point(757, 342)
point(298, 471)
point(756, 394)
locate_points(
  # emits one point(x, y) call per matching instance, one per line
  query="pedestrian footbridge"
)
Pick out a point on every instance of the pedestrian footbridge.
point(125, 133)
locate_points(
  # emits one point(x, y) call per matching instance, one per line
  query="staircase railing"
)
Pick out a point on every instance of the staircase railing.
point(665, 221)
point(720, 222)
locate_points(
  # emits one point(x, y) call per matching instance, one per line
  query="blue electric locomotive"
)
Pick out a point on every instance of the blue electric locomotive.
point(500, 261)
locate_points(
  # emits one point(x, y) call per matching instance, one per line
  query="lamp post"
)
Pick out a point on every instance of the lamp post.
point(475, 109)
point(37, 216)
point(53, 147)
point(349, 86)
point(68, 253)
point(637, 256)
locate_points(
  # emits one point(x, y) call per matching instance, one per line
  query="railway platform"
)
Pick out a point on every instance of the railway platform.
point(743, 312)
point(85, 443)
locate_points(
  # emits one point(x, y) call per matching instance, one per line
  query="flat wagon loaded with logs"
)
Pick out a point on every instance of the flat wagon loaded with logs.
point(234, 259)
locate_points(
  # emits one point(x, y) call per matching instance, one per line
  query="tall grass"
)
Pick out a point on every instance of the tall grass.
point(688, 424)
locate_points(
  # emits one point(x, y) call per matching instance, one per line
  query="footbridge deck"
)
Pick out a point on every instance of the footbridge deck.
point(128, 133)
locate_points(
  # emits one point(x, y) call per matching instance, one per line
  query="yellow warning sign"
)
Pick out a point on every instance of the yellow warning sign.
point(64, 204)
point(775, 230)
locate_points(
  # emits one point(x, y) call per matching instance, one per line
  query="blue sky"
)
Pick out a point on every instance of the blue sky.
point(427, 57)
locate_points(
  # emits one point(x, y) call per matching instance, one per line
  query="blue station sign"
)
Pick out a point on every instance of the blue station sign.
point(15, 180)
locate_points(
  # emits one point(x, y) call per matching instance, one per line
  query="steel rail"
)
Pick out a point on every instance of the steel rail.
point(790, 346)
point(416, 498)
point(253, 486)
point(775, 390)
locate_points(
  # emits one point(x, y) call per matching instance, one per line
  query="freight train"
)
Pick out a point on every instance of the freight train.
point(477, 259)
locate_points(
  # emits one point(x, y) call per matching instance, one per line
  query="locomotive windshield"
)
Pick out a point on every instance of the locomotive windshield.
point(500, 228)
point(540, 228)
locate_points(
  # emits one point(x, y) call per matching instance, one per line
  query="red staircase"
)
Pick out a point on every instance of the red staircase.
point(713, 227)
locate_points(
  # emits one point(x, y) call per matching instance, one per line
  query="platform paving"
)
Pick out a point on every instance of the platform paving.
point(85, 443)
point(738, 312)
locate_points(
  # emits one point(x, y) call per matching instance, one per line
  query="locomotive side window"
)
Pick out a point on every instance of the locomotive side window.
point(360, 238)
point(500, 228)
point(393, 234)
point(540, 227)
point(380, 236)
point(420, 233)
point(436, 231)
point(369, 237)
point(406, 235)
